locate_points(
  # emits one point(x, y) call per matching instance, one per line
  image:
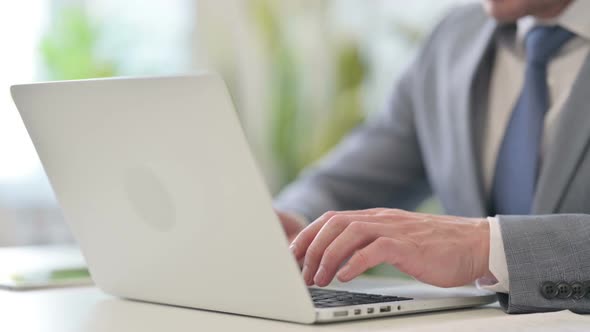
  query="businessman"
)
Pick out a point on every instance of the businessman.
point(493, 117)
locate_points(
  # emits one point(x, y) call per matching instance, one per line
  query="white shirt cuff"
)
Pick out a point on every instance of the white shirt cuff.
point(498, 282)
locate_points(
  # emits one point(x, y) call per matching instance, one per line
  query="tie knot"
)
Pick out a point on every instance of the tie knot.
point(543, 42)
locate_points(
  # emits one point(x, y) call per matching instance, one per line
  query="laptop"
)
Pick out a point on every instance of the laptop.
point(158, 185)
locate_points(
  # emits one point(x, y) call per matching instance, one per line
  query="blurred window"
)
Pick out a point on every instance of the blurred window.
point(72, 39)
point(27, 206)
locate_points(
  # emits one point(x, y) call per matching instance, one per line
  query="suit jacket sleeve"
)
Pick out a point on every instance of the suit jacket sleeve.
point(541, 249)
point(378, 164)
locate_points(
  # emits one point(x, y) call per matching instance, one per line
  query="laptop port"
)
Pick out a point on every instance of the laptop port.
point(370, 310)
point(357, 311)
point(385, 309)
point(342, 313)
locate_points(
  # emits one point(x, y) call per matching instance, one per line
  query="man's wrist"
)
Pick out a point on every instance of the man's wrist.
point(483, 237)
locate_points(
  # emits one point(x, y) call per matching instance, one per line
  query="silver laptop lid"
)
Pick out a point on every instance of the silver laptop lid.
point(157, 183)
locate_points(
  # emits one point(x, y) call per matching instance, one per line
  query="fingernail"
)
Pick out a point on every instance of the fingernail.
point(320, 276)
point(344, 272)
point(293, 249)
point(306, 276)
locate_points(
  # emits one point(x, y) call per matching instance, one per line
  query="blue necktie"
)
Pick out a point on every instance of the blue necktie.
point(517, 165)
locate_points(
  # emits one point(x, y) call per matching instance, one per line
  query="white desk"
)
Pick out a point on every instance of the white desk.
point(88, 309)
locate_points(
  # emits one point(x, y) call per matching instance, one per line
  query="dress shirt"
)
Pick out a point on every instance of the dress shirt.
point(505, 87)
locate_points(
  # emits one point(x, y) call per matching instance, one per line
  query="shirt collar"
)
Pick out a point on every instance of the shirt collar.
point(574, 18)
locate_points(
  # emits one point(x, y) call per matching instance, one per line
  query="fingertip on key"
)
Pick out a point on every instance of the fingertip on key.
point(306, 277)
point(344, 273)
point(320, 277)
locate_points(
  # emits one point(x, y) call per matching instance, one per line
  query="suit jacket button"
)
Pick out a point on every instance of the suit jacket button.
point(579, 291)
point(549, 290)
point(564, 290)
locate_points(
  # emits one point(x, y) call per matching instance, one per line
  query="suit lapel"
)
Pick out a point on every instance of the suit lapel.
point(567, 148)
point(470, 90)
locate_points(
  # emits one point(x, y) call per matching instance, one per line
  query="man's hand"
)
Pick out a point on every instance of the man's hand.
point(444, 251)
point(292, 224)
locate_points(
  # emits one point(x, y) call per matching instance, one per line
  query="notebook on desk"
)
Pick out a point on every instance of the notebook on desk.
point(34, 267)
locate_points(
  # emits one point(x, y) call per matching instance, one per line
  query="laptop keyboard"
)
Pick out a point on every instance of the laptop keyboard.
point(329, 298)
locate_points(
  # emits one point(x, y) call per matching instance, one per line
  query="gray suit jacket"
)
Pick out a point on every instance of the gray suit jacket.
point(428, 141)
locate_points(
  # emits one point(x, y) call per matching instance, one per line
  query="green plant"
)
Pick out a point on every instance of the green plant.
point(68, 49)
point(298, 134)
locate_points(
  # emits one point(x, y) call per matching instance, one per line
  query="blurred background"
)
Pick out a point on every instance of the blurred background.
point(302, 73)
